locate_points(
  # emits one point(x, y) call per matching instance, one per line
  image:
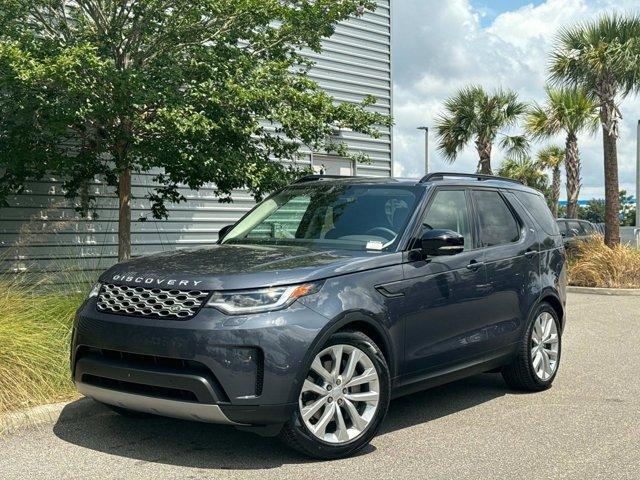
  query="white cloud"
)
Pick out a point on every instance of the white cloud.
point(441, 46)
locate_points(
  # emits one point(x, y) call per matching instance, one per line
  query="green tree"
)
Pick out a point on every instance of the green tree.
point(593, 211)
point(568, 111)
point(627, 209)
point(552, 157)
point(526, 170)
point(199, 91)
point(603, 57)
point(472, 114)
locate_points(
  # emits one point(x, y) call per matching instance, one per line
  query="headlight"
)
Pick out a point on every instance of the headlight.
point(262, 300)
point(95, 290)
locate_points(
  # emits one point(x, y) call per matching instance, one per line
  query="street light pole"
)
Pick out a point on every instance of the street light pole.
point(426, 148)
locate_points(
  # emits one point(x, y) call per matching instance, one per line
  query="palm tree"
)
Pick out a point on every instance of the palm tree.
point(571, 111)
point(475, 115)
point(603, 57)
point(552, 157)
point(526, 170)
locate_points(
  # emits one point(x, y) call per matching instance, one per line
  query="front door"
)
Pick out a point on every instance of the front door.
point(444, 295)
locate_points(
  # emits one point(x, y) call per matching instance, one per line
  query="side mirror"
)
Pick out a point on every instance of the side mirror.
point(223, 231)
point(441, 242)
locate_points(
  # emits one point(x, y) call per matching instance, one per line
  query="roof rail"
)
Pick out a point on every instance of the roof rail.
point(478, 176)
point(312, 178)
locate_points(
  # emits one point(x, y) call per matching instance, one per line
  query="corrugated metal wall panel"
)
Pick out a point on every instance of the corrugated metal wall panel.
point(41, 231)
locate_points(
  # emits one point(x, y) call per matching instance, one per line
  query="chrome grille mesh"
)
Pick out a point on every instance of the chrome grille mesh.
point(150, 302)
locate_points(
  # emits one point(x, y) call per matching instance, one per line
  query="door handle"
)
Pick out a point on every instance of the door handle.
point(474, 265)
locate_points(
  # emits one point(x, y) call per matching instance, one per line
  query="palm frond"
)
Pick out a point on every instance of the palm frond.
point(551, 156)
point(525, 170)
point(567, 109)
point(605, 48)
point(515, 146)
point(472, 113)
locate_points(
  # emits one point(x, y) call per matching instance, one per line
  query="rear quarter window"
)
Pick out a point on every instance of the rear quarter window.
point(537, 207)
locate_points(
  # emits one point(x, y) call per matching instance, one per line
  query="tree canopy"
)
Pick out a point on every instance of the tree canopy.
point(602, 56)
point(199, 91)
point(473, 114)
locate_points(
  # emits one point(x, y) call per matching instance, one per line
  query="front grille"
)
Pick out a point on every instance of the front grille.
point(150, 302)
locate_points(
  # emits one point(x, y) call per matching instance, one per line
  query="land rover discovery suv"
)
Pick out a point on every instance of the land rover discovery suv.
point(327, 300)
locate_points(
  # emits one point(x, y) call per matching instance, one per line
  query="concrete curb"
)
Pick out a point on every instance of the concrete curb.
point(48, 414)
point(625, 292)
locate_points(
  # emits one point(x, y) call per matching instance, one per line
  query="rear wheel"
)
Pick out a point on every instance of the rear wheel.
point(343, 398)
point(538, 359)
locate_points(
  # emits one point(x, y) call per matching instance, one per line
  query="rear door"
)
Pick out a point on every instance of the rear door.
point(510, 249)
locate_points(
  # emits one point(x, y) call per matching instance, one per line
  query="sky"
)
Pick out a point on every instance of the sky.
point(440, 46)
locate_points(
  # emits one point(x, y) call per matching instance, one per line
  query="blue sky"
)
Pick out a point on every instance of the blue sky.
point(440, 46)
point(490, 9)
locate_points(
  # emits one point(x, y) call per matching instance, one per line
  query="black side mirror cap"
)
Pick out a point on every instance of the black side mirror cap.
point(441, 242)
point(223, 231)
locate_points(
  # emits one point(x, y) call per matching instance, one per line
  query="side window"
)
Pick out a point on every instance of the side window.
point(577, 226)
point(537, 207)
point(588, 228)
point(449, 210)
point(497, 223)
point(562, 225)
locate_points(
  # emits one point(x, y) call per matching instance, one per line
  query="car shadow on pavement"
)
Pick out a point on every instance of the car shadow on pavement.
point(200, 445)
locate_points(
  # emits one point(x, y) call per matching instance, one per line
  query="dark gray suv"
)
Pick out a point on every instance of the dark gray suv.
point(327, 300)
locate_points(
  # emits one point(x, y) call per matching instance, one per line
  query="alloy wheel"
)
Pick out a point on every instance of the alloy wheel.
point(545, 346)
point(340, 395)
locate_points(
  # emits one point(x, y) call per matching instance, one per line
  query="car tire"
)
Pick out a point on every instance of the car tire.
point(348, 435)
point(125, 412)
point(528, 371)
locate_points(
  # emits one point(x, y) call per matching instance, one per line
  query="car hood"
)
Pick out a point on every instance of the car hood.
point(230, 267)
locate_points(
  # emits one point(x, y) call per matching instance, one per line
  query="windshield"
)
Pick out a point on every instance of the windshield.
point(353, 217)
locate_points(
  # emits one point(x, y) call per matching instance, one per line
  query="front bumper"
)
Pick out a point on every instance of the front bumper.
point(242, 370)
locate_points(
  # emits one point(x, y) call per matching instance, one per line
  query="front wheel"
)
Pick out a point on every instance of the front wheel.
point(343, 399)
point(538, 358)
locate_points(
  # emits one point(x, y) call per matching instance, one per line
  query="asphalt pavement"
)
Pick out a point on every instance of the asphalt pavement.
point(586, 427)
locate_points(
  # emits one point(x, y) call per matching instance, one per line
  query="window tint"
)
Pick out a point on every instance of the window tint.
point(449, 211)
point(497, 224)
point(283, 223)
point(358, 217)
point(578, 227)
point(537, 207)
point(588, 228)
point(562, 225)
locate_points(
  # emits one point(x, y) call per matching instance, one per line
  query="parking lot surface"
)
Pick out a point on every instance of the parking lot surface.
point(586, 427)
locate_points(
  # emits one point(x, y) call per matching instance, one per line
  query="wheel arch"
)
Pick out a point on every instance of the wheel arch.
point(357, 321)
point(553, 299)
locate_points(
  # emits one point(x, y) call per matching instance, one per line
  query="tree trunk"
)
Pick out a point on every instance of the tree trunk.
point(572, 164)
point(124, 215)
point(484, 152)
point(611, 189)
point(555, 191)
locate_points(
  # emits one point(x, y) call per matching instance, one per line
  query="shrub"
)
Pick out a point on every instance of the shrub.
point(596, 265)
point(35, 328)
